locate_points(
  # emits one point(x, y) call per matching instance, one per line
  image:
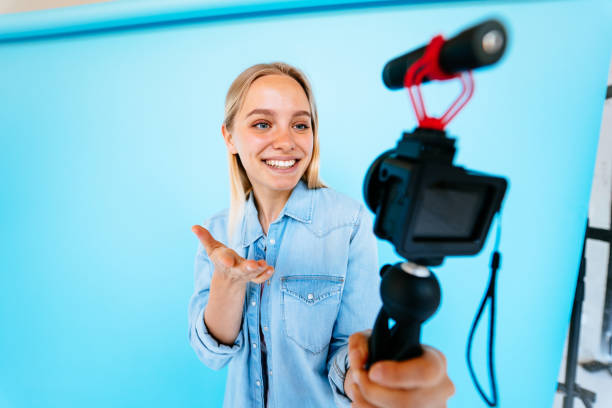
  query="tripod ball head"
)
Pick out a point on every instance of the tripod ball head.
point(409, 292)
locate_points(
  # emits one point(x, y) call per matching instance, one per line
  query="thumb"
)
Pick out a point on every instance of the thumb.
point(227, 257)
point(206, 239)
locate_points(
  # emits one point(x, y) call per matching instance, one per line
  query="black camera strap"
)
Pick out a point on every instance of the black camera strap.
point(488, 297)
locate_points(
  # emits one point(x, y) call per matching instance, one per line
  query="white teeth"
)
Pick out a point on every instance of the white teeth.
point(281, 164)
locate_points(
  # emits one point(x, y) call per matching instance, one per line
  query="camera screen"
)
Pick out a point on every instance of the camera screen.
point(449, 212)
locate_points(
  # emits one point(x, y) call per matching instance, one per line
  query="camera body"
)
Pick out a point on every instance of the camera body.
point(424, 205)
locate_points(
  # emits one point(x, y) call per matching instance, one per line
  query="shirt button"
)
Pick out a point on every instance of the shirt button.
point(253, 303)
point(254, 345)
point(310, 296)
point(265, 328)
point(270, 372)
point(258, 383)
point(272, 241)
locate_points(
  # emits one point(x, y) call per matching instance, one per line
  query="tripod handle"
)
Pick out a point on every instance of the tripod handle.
point(400, 342)
point(410, 295)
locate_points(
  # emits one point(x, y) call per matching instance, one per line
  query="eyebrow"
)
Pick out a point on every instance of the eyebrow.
point(272, 113)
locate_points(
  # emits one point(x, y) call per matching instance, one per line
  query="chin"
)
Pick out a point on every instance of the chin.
point(284, 185)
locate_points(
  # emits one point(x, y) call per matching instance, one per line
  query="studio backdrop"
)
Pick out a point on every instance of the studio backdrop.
point(111, 149)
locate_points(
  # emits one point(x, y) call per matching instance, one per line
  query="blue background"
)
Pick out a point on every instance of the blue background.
point(110, 149)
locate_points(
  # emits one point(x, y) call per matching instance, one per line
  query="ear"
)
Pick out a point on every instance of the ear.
point(229, 141)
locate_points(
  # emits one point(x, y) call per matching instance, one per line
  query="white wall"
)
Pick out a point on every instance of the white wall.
point(596, 273)
point(597, 251)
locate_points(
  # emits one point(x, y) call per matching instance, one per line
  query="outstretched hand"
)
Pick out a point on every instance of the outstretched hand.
point(421, 382)
point(228, 263)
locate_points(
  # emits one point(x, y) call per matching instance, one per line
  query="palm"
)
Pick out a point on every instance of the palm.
point(229, 263)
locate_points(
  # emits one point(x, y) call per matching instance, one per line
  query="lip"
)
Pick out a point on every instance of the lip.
point(281, 158)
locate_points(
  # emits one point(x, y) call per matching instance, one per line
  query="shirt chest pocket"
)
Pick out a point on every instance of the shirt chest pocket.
point(310, 306)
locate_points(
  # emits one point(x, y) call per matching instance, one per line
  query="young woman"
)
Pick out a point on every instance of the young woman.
point(292, 270)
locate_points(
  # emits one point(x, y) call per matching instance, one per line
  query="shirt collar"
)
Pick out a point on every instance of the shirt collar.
point(299, 207)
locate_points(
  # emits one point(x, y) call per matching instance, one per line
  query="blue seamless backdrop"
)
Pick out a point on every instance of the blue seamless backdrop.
point(111, 149)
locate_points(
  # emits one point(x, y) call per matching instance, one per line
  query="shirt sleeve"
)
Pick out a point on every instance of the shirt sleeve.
point(212, 353)
point(360, 302)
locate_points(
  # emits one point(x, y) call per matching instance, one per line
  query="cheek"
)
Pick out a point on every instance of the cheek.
point(307, 144)
point(248, 147)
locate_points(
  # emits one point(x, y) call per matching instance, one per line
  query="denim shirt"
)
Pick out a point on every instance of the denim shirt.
point(325, 287)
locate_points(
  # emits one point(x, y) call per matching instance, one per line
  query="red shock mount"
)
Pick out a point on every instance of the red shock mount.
point(428, 66)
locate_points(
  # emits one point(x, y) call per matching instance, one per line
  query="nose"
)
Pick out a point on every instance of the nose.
point(283, 140)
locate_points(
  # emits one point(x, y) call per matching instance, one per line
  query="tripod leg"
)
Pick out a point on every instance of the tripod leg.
point(574, 337)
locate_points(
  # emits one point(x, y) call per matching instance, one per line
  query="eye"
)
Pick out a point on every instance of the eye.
point(302, 126)
point(261, 125)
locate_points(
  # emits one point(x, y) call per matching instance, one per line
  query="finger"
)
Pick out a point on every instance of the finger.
point(349, 386)
point(264, 276)
point(226, 257)
point(448, 389)
point(379, 395)
point(359, 401)
point(358, 348)
point(207, 240)
point(357, 357)
point(423, 397)
point(352, 391)
point(250, 267)
point(424, 371)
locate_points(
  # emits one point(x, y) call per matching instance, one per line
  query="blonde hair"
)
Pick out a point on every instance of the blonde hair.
point(240, 185)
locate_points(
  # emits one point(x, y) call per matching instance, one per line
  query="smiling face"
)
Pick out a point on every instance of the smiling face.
point(272, 134)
